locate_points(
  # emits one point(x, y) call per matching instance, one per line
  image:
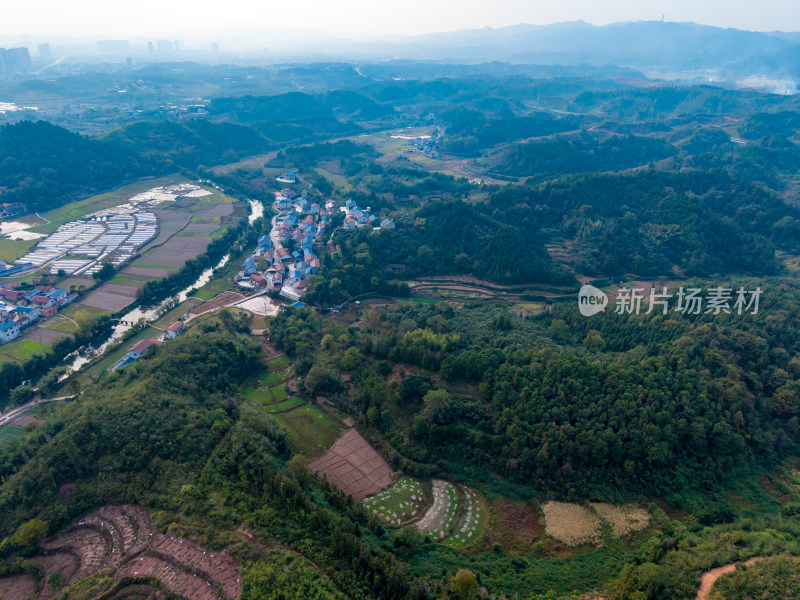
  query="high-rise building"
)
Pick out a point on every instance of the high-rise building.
point(44, 50)
point(164, 46)
point(14, 60)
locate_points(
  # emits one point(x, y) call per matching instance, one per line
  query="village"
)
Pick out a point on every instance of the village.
point(20, 308)
point(285, 259)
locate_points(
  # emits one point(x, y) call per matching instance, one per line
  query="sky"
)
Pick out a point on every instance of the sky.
point(359, 19)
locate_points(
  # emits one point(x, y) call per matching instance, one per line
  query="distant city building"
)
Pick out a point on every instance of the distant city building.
point(164, 46)
point(215, 47)
point(45, 51)
point(14, 60)
point(150, 47)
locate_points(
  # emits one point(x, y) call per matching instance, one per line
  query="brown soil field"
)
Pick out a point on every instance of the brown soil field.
point(220, 210)
point(202, 227)
point(518, 526)
point(176, 251)
point(44, 335)
point(353, 466)
point(169, 222)
point(110, 296)
point(17, 587)
point(157, 273)
point(24, 421)
point(224, 299)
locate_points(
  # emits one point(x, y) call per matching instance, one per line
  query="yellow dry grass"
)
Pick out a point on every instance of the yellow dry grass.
point(571, 524)
point(623, 520)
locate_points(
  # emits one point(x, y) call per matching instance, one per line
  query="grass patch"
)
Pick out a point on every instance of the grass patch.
point(261, 396)
point(279, 392)
point(72, 309)
point(58, 323)
point(10, 433)
point(174, 314)
point(311, 432)
point(11, 250)
point(22, 350)
point(278, 364)
point(269, 379)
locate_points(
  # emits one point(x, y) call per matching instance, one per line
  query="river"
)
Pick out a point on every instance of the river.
point(139, 314)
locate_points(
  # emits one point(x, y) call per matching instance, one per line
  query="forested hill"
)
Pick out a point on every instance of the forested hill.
point(172, 433)
point(43, 165)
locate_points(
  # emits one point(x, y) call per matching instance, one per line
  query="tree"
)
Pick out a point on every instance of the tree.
point(56, 580)
point(437, 405)
point(21, 394)
point(105, 273)
point(351, 358)
point(373, 320)
point(464, 584)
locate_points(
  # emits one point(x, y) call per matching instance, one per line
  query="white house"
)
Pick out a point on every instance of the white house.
point(9, 330)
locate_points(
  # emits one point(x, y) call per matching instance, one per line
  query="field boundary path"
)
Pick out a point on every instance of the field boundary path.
point(11, 415)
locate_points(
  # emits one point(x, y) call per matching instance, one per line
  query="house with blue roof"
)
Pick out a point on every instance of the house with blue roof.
point(249, 266)
point(9, 330)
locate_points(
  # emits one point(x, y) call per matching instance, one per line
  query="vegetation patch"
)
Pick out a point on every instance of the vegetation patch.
point(310, 431)
point(22, 349)
point(10, 433)
point(571, 524)
point(623, 520)
point(399, 503)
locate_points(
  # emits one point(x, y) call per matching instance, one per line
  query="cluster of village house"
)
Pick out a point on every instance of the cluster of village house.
point(20, 308)
point(12, 209)
point(305, 223)
point(138, 349)
point(283, 270)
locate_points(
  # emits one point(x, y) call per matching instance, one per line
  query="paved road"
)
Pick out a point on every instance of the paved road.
point(6, 418)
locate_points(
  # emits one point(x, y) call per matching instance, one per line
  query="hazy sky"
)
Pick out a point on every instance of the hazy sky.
point(360, 18)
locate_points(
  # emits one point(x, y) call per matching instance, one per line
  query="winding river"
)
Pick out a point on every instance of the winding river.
point(83, 355)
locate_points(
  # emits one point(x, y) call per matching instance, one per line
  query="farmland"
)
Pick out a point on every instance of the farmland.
point(400, 502)
point(311, 431)
point(354, 466)
point(9, 433)
point(21, 350)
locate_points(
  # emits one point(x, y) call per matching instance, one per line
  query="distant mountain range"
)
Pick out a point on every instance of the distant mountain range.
point(685, 51)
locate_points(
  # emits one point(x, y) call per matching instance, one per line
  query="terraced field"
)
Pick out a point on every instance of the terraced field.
point(440, 518)
point(121, 540)
point(399, 503)
point(473, 519)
